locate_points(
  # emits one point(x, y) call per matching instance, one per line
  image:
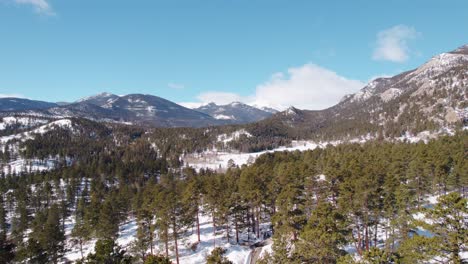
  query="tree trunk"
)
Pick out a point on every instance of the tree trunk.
point(419, 192)
point(174, 227)
point(367, 237)
point(375, 234)
point(198, 227)
point(214, 231)
point(151, 242)
point(166, 241)
point(356, 244)
point(257, 212)
point(393, 239)
point(359, 241)
point(81, 249)
point(227, 230)
point(455, 255)
point(237, 231)
point(252, 220)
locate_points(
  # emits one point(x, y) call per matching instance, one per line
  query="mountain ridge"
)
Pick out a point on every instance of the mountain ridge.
point(429, 96)
point(235, 112)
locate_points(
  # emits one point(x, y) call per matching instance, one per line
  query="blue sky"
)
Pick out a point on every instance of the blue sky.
point(278, 53)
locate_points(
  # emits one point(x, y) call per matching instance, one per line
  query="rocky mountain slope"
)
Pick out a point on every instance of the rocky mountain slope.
point(431, 97)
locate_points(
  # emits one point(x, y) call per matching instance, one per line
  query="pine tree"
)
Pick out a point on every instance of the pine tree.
point(6, 248)
point(108, 225)
point(192, 197)
point(217, 257)
point(157, 259)
point(81, 232)
point(143, 237)
point(418, 182)
point(171, 210)
point(47, 237)
point(3, 222)
point(108, 252)
point(323, 236)
point(53, 237)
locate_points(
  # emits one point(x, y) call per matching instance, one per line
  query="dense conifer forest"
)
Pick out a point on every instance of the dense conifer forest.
point(315, 204)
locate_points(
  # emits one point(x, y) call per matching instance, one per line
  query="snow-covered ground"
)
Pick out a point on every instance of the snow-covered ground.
point(17, 164)
point(21, 121)
point(63, 123)
point(218, 160)
point(238, 254)
point(226, 138)
point(24, 165)
point(127, 234)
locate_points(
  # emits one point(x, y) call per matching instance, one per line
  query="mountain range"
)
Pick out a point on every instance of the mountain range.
point(430, 96)
point(138, 109)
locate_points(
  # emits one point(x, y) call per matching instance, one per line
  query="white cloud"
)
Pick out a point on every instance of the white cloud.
point(307, 87)
point(176, 86)
point(391, 44)
point(40, 6)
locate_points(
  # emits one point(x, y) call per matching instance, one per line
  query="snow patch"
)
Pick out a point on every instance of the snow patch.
point(225, 138)
point(390, 94)
point(224, 117)
point(63, 123)
point(22, 121)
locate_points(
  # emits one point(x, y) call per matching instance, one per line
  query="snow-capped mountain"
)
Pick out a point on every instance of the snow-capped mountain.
point(268, 109)
point(235, 112)
point(101, 99)
point(20, 104)
point(138, 109)
point(430, 97)
point(437, 91)
point(444, 71)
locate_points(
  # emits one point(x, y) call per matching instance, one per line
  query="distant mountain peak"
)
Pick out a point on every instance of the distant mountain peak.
point(269, 109)
point(461, 50)
point(291, 111)
point(102, 95)
point(106, 94)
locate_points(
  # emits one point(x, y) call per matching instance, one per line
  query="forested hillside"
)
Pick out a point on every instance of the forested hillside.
point(354, 202)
